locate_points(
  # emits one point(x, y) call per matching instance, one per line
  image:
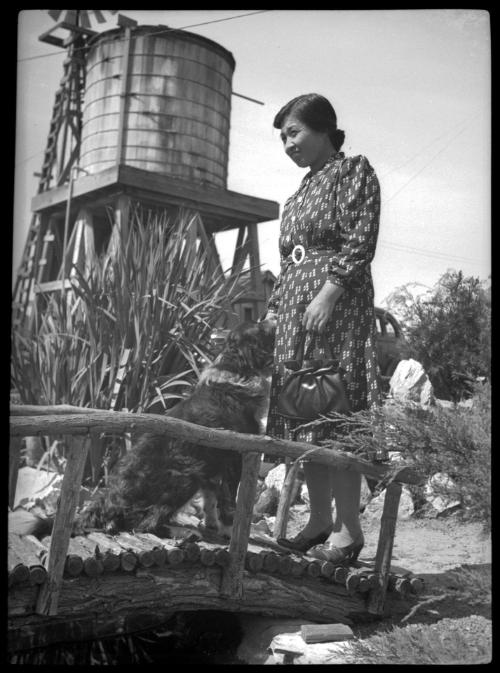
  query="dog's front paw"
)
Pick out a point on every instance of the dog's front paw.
point(225, 530)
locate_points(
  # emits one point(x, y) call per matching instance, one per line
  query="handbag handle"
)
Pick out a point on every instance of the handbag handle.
point(299, 354)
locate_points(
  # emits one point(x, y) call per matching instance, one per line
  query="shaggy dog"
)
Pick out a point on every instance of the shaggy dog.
point(161, 474)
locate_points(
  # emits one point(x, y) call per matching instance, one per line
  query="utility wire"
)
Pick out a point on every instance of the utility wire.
point(425, 165)
point(427, 253)
point(156, 32)
point(464, 122)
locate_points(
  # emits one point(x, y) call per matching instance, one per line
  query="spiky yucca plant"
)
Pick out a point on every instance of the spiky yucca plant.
point(153, 297)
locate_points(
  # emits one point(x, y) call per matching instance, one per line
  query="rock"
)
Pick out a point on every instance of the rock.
point(436, 492)
point(376, 505)
point(275, 477)
point(259, 632)
point(290, 648)
point(267, 502)
point(410, 383)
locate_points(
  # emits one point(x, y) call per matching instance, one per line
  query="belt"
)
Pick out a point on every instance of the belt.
point(298, 254)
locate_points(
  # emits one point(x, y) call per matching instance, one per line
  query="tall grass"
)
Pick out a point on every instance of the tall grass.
point(153, 297)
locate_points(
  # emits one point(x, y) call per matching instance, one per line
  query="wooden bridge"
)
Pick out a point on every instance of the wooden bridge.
point(64, 589)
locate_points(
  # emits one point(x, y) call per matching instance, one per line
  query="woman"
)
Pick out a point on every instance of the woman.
point(327, 240)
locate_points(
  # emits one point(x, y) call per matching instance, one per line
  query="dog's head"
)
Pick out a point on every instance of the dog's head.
point(248, 349)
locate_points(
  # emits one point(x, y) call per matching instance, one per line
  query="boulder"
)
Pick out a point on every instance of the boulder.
point(276, 477)
point(410, 383)
point(437, 492)
point(376, 505)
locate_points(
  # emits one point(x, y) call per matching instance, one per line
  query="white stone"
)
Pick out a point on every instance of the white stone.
point(276, 477)
point(435, 492)
point(339, 652)
point(376, 505)
point(410, 383)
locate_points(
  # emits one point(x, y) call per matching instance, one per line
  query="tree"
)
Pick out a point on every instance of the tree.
point(449, 331)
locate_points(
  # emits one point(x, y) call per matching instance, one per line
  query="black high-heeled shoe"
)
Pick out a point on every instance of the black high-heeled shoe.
point(301, 543)
point(338, 555)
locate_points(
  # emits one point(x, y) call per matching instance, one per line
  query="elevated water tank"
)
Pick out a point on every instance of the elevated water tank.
point(176, 107)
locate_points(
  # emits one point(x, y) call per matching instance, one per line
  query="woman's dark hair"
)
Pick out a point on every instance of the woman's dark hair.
point(317, 113)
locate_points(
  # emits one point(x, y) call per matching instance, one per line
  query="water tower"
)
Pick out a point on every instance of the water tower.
point(147, 122)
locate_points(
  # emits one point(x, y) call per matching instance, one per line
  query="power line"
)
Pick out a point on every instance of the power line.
point(425, 165)
point(422, 149)
point(427, 253)
point(157, 32)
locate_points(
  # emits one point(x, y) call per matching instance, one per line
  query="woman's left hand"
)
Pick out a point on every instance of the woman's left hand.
point(319, 311)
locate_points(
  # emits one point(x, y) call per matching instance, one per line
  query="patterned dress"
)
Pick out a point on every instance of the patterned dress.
point(335, 215)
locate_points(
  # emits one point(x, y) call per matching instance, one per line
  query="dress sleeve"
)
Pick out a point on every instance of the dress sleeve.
point(358, 215)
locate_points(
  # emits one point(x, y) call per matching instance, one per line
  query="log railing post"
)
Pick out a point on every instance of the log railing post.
point(232, 585)
point(14, 456)
point(70, 491)
point(384, 548)
point(285, 500)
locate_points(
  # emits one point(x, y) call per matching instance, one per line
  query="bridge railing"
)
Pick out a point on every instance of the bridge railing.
point(83, 426)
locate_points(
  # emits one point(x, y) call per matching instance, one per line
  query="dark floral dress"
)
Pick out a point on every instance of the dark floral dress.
point(335, 215)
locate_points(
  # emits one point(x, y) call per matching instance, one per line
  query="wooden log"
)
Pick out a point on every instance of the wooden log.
point(352, 581)
point(97, 422)
point(384, 548)
point(157, 550)
point(18, 571)
point(313, 568)
point(231, 584)
point(113, 555)
point(175, 555)
point(138, 547)
point(92, 566)
point(270, 561)
point(340, 574)
point(207, 557)
point(364, 584)
point(325, 633)
point(70, 492)
point(221, 555)
point(119, 602)
point(27, 554)
point(417, 585)
point(73, 564)
point(297, 568)
point(253, 562)
point(192, 551)
point(285, 565)
point(327, 569)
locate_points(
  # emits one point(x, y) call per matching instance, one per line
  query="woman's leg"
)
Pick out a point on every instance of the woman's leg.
point(319, 486)
point(346, 488)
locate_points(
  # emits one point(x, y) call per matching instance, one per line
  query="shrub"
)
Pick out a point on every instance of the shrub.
point(449, 332)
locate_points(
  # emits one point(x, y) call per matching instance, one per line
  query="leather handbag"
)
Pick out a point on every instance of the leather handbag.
point(312, 387)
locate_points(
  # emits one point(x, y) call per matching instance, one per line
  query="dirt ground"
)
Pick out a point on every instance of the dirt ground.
point(440, 551)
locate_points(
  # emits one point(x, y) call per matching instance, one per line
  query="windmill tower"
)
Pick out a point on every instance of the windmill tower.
point(142, 116)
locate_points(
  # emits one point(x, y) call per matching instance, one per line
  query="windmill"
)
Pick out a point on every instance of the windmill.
point(63, 141)
point(141, 115)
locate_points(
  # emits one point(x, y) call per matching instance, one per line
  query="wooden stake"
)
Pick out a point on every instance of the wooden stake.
point(70, 490)
point(233, 574)
point(384, 548)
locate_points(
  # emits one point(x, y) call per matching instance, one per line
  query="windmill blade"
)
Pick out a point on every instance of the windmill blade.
point(82, 16)
point(98, 15)
point(54, 13)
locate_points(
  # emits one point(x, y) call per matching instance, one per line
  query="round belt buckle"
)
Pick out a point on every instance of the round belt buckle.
point(298, 254)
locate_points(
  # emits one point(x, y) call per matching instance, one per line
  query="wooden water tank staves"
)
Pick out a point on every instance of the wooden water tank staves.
point(160, 100)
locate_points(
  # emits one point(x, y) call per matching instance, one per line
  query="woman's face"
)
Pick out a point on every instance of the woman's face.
point(304, 146)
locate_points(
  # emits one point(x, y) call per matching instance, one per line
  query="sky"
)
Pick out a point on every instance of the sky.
point(411, 89)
